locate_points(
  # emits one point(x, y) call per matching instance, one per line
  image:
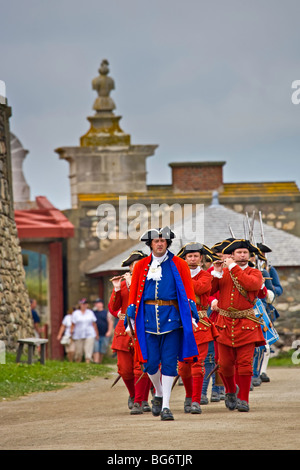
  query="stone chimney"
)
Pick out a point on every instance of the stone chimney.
point(197, 176)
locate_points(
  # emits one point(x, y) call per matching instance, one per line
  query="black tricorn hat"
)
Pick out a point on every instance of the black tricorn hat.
point(218, 247)
point(241, 243)
point(153, 233)
point(193, 247)
point(264, 248)
point(134, 256)
point(260, 256)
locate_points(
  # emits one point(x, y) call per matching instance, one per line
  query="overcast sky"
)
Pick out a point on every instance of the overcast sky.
point(205, 80)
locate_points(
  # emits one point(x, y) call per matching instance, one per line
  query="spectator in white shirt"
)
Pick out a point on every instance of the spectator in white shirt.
point(84, 331)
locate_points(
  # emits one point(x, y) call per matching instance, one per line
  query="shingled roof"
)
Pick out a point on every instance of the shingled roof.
point(217, 219)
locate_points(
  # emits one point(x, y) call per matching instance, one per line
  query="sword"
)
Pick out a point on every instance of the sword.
point(130, 327)
point(175, 381)
point(140, 377)
point(117, 380)
point(213, 371)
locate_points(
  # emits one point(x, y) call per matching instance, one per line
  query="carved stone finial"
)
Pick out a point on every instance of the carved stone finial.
point(103, 84)
point(105, 129)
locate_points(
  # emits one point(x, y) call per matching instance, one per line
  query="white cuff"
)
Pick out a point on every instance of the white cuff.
point(270, 296)
point(217, 274)
point(232, 265)
point(116, 289)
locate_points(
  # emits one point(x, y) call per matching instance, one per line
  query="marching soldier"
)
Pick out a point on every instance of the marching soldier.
point(161, 303)
point(137, 383)
point(239, 330)
point(192, 374)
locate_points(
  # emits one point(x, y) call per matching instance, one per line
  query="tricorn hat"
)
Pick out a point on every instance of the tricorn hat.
point(134, 256)
point(153, 233)
point(240, 243)
point(264, 248)
point(219, 247)
point(193, 247)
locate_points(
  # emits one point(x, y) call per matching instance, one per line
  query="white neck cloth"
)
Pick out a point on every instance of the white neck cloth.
point(155, 272)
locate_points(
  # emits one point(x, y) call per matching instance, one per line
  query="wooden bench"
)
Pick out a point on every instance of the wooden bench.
point(32, 343)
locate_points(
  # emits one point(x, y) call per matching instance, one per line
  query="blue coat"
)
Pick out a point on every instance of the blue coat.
point(180, 280)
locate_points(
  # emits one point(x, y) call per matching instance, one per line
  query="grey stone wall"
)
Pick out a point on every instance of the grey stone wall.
point(15, 313)
point(283, 215)
point(288, 305)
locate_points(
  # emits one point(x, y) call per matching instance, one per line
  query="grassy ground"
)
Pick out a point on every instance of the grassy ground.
point(20, 379)
point(17, 380)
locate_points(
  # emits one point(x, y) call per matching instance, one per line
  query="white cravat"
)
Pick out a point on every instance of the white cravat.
point(195, 271)
point(155, 272)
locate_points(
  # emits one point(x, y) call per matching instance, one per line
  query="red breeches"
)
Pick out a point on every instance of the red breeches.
point(232, 360)
point(192, 374)
point(194, 369)
point(128, 367)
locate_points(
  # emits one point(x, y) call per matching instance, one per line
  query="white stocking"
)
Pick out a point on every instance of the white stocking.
point(265, 360)
point(167, 383)
point(156, 380)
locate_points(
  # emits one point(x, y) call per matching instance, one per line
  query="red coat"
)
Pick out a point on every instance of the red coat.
point(119, 301)
point(237, 332)
point(202, 287)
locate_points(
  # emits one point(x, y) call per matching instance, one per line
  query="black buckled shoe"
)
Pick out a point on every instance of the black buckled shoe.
point(231, 399)
point(130, 402)
point(264, 377)
point(187, 405)
point(196, 409)
point(166, 415)
point(145, 406)
point(242, 405)
point(156, 406)
point(136, 409)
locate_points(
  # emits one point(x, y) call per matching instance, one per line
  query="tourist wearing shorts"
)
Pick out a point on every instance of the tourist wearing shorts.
point(84, 331)
point(105, 327)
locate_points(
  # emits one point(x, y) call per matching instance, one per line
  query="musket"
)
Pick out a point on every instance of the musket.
point(262, 235)
point(230, 230)
point(261, 228)
point(249, 227)
point(252, 228)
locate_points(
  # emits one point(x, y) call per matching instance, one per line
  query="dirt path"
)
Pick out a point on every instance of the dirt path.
point(94, 416)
